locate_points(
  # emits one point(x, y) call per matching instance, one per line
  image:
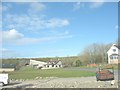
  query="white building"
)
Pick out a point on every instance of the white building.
point(46, 65)
point(37, 64)
point(54, 64)
point(113, 54)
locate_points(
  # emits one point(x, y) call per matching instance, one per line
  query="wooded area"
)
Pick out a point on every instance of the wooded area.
point(94, 53)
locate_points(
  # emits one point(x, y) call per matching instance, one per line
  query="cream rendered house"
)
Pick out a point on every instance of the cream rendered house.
point(113, 54)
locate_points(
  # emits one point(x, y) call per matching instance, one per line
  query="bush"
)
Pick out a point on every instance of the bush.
point(78, 63)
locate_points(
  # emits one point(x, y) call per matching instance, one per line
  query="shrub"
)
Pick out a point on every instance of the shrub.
point(78, 63)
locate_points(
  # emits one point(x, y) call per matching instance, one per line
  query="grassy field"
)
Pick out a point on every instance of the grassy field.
point(31, 73)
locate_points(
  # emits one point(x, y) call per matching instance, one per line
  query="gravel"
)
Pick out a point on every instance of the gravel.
point(54, 82)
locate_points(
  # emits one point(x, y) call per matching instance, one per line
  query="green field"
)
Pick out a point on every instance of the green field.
point(31, 73)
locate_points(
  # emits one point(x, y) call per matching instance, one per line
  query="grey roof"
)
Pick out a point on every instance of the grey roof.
point(53, 62)
point(8, 65)
point(113, 54)
point(117, 46)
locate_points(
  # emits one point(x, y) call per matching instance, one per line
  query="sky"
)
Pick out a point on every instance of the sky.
point(50, 29)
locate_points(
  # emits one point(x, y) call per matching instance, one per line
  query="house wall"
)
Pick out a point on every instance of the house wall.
point(58, 65)
point(114, 61)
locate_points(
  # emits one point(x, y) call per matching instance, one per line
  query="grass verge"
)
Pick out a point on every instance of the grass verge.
point(30, 73)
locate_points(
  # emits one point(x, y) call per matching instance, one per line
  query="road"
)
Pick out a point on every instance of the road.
point(90, 69)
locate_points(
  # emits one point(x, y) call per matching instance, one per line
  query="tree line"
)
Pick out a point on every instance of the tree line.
point(94, 53)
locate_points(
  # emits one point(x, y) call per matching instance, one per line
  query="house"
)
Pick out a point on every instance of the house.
point(38, 64)
point(53, 64)
point(113, 54)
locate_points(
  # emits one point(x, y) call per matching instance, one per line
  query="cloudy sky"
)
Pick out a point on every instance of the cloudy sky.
point(47, 29)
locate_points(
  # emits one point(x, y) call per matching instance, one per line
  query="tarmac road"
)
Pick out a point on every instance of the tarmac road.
point(91, 69)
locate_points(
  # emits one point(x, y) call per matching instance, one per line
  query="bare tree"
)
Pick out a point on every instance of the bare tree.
point(95, 53)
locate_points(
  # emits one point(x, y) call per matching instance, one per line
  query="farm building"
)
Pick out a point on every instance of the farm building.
point(113, 54)
point(38, 64)
point(46, 65)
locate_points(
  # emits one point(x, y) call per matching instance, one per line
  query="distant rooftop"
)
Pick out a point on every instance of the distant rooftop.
point(8, 65)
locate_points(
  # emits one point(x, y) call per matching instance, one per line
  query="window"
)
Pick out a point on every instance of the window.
point(114, 50)
point(114, 57)
point(117, 57)
point(53, 65)
point(111, 57)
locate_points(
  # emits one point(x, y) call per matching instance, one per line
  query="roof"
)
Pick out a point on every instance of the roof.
point(53, 62)
point(37, 62)
point(114, 54)
point(8, 65)
point(118, 46)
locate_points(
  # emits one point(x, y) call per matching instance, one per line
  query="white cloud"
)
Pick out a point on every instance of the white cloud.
point(36, 7)
point(65, 22)
point(33, 22)
point(11, 35)
point(56, 22)
point(96, 3)
point(24, 41)
point(76, 6)
point(15, 38)
point(93, 4)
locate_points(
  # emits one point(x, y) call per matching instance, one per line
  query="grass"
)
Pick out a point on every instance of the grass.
point(30, 73)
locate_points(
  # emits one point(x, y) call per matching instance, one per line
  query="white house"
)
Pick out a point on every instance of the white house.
point(53, 64)
point(113, 54)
